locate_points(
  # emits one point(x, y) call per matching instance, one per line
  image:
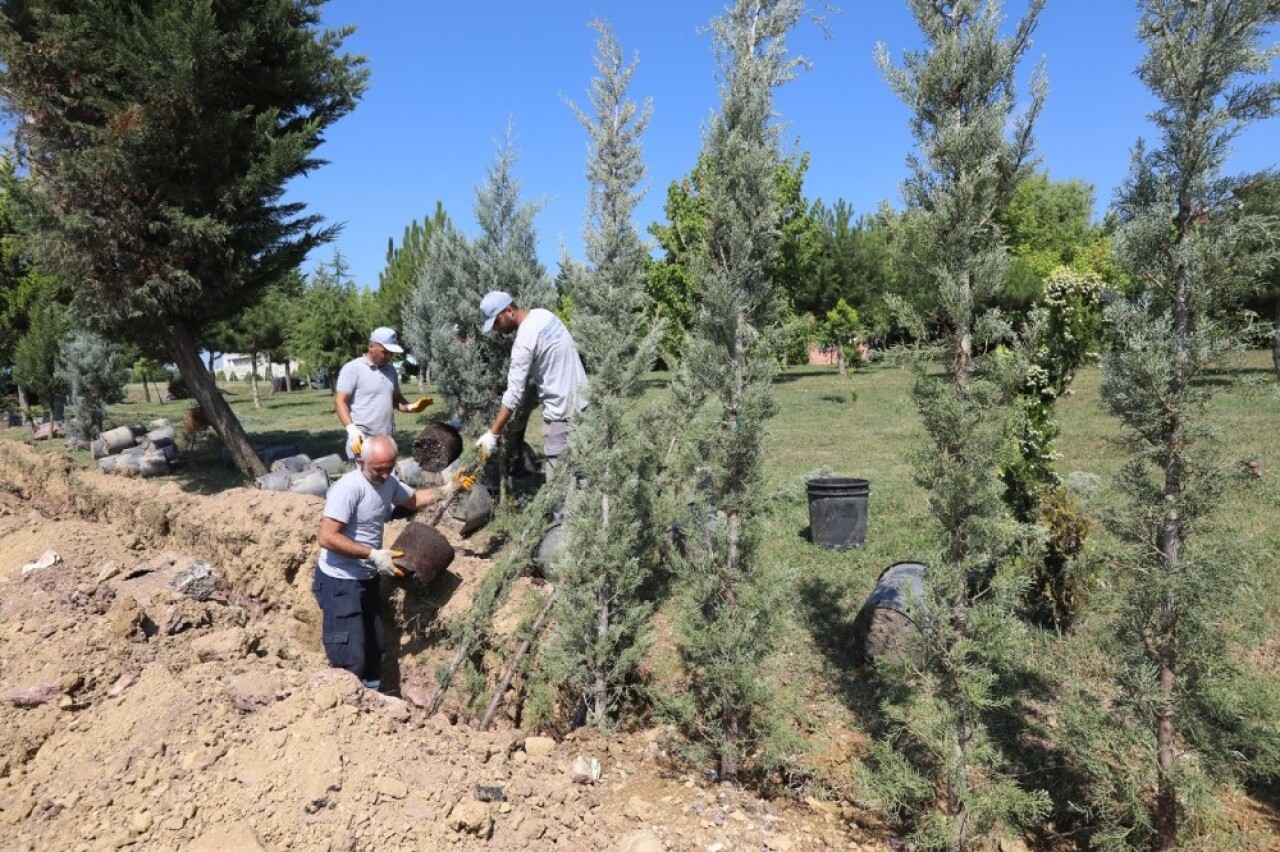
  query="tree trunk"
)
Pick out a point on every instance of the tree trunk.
point(601, 710)
point(729, 753)
point(840, 367)
point(24, 405)
point(270, 375)
point(1166, 794)
point(185, 352)
point(146, 391)
point(288, 375)
point(495, 701)
point(253, 379)
point(1275, 341)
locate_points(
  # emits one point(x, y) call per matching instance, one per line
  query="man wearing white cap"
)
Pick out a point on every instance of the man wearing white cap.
point(545, 355)
point(368, 392)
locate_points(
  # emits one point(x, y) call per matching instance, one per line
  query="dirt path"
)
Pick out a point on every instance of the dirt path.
point(136, 711)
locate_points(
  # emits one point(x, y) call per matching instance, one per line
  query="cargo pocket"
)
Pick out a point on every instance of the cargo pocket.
point(343, 635)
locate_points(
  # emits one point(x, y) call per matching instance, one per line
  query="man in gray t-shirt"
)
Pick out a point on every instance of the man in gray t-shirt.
point(368, 392)
point(352, 556)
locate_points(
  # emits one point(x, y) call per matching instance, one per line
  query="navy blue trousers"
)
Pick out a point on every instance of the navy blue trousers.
point(352, 632)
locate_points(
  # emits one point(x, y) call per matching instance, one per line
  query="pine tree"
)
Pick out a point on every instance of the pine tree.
point(609, 543)
point(1180, 243)
point(443, 310)
point(404, 267)
point(972, 155)
point(161, 135)
point(329, 327)
point(723, 392)
point(35, 357)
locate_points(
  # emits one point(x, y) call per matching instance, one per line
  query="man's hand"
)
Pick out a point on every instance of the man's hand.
point(487, 444)
point(383, 561)
point(461, 481)
point(418, 404)
point(355, 439)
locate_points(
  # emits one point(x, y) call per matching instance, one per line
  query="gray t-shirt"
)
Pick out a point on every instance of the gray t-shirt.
point(362, 509)
point(372, 391)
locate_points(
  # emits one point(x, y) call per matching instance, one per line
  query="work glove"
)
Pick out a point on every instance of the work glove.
point(418, 404)
point(383, 561)
point(487, 444)
point(355, 439)
point(460, 481)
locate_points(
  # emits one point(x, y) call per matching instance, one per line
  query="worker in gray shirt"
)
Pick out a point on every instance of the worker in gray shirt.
point(352, 557)
point(368, 392)
point(544, 355)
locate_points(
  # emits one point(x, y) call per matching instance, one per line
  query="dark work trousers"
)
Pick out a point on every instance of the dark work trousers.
point(352, 632)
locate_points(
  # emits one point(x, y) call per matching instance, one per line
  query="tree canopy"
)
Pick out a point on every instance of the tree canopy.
point(160, 136)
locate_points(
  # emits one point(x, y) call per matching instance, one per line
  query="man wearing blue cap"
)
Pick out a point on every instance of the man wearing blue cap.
point(545, 355)
point(368, 392)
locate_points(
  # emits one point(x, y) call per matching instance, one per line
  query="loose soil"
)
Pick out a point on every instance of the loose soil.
point(134, 715)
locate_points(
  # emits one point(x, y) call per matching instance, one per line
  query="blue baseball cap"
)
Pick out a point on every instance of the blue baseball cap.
point(493, 303)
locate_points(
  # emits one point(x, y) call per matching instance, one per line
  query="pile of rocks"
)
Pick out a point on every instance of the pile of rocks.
point(136, 450)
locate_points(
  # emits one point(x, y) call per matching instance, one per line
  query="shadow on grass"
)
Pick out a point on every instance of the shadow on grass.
point(202, 470)
point(1022, 730)
point(830, 625)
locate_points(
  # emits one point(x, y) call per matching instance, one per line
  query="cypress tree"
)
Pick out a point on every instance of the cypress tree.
point(160, 136)
point(609, 545)
point(972, 155)
point(723, 392)
point(90, 366)
point(1180, 243)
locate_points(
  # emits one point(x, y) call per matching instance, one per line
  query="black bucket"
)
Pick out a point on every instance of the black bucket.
point(838, 511)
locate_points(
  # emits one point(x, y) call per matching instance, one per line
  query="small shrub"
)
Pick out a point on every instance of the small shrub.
point(178, 388)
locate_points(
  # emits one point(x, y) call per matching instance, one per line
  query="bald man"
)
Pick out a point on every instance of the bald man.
point(352, 557)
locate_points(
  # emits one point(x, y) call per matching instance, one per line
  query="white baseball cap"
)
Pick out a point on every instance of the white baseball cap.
point(493, 303)
point(387, 339)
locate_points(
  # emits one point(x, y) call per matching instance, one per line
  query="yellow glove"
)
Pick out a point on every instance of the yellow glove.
point(462, 481)
point(418, 404)
point(355, 440)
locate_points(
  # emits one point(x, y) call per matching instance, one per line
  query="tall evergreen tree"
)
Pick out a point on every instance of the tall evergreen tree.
point(972, 155)
point(723, 392)
point(35, 356)
point(90, 367)
point(443, 315)
point(329, 326)
point(160, 136)
point(1180, 243)
point(609, 543)
point(404, 266)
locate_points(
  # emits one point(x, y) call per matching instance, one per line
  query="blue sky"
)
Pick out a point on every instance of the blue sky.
point(447, 77)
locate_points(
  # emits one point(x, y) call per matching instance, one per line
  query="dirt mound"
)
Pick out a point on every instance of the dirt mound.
point(161, 687)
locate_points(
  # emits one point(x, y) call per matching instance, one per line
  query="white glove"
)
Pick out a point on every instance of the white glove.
point(383, 561)
point(355, 438)
point(487, 444)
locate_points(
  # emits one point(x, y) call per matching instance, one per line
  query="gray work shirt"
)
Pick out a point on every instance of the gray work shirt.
point(372, 391)
point(362, 509)
point(544, 353)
